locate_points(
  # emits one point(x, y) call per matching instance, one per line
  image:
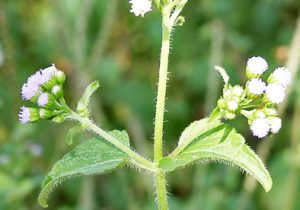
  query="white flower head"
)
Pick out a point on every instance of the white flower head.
point(275, 124)
point(260, 127)
point(256, 86)
point(275, 93)
point(29, 90)
point(281, 76)
point(140, 7)
point(27, 115)
point(256, 66)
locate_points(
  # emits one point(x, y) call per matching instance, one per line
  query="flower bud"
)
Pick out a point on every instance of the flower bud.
point(59, 119)
point(221, 103)
point(45, 113)
point(237, 91)
point(232, 105)
point(57, 91)
point(60, 76)
point(229, 115)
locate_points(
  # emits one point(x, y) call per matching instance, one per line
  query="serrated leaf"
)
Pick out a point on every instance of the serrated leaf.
point(94, 156)
point(223, 144)
point(223, 74)
point(83, 103)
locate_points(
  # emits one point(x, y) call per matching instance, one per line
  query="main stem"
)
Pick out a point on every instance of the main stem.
point(160, 180)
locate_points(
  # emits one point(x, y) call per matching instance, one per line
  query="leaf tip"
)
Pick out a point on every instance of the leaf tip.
point(223, 73)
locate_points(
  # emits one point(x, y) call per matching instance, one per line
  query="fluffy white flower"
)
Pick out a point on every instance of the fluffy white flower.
point(275, 124)
point(257, 65)
point(282, 76)
point(140, 7)
point(260, 127)
point(29, 90)
point(275, 93)
point(256, 86)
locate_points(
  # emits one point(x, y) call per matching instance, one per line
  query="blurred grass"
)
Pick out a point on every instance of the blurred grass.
point(100, 40)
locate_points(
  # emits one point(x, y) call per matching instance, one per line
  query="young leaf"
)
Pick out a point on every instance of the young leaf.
point(223, 74)
point(94, 156)
point(82, 106)
point(222, 144)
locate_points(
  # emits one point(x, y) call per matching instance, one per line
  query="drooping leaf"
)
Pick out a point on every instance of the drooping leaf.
point(221, 144)
point(94, 156)
point(83, 103)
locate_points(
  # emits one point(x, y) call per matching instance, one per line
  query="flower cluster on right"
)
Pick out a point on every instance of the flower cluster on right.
point(259, 99)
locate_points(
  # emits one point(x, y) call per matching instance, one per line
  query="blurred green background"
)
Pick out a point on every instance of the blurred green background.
point(100, 40)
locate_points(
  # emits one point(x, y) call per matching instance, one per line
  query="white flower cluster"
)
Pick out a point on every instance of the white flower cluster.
point(43, 88)
point(140, 7)
point(259, 99)
point(264, 121)
point(274, 91)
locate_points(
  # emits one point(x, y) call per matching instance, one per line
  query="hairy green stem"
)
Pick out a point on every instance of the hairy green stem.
point(162, 85)
point(135, 157)
point(161, 190)
point(160, 181)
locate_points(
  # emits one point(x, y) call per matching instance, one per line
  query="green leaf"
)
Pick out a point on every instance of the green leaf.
point(222, 144)
point(83, 103)
point(195, 129)
point(94, 156)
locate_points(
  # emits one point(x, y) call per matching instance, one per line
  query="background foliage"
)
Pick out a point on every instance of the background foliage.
point(100, 40)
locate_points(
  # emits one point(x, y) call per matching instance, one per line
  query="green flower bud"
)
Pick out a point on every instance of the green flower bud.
point(60, 76)
point(237, 91)
point(45, 113)
point(57, 91)
point(229, 115)
point(221, 103)
point(59, 119)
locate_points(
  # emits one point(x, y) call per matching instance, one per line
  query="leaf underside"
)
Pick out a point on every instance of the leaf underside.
point(94, 156)
point(222, 144)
